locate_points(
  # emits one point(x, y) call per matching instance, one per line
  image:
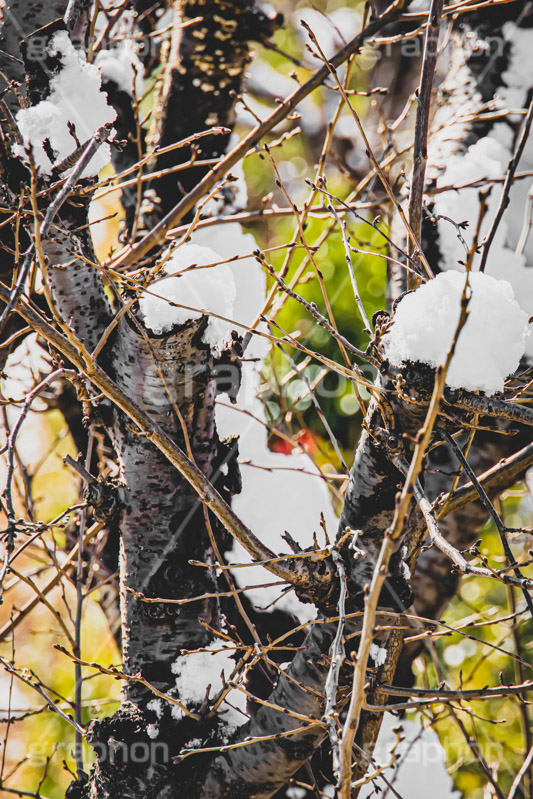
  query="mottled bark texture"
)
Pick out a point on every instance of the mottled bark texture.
point(434, 582)
point(203, 69)
point(162, 522)
point(478, 45)
point(18, 20)
point(262, 768)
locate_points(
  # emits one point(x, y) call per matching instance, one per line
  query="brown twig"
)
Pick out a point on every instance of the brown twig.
point(157, 235)
point(509, 178)
point(296, 572)
point(420, 148)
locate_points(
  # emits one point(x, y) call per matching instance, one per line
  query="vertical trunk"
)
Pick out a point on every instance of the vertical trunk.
point(162, 520)
point(202, 74)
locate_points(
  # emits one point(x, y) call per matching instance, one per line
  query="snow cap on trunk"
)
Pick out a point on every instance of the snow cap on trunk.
point(210, 289)
point(490, 345)
point(75, 97)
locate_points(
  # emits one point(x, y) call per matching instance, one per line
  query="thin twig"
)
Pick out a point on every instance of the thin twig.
point(492, 511)
point(420, 148)
point(52, 705)
point(331, 714)
point(509, 178)
point(158, 234)
point(458, 560)
point(524, 768)
point(313, 310)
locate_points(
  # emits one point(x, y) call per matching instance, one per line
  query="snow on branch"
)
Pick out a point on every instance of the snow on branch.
point(207, 671)
point(489, 347)
point(72, 113)
point(469, 171)
point(210, 289)
point(123, 66)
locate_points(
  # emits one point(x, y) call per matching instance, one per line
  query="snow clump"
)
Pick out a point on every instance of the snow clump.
point(378, 654)
point(196, 671)
point(211, 290)
point(123, 66)
point(75, 97)
point(484, 160)
point(490, 345)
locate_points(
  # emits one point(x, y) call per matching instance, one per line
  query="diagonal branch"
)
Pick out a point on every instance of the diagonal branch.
point(157, 235)
point(298, 571)
point(491, 509)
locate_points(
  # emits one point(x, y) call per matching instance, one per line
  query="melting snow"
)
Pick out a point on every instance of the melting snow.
point(196, 671)
point(485, 159)
point(123, 66)
point(211, 290)
point(490, 345)
point(75, 97)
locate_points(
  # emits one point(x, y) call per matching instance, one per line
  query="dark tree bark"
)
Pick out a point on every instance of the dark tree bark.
point(161, 520)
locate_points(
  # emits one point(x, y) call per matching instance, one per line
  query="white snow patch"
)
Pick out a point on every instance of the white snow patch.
point(378, 654)
point(74, 97)
point(196, 671)
point(193, 743)
point(123, 66)
point(292, 495)
point(152, 730)
point(487, 158)
point(422, 762)
point(211, 290)
point(157, 706)
point(294, 792)
point(490, 345)
point(406, 571)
